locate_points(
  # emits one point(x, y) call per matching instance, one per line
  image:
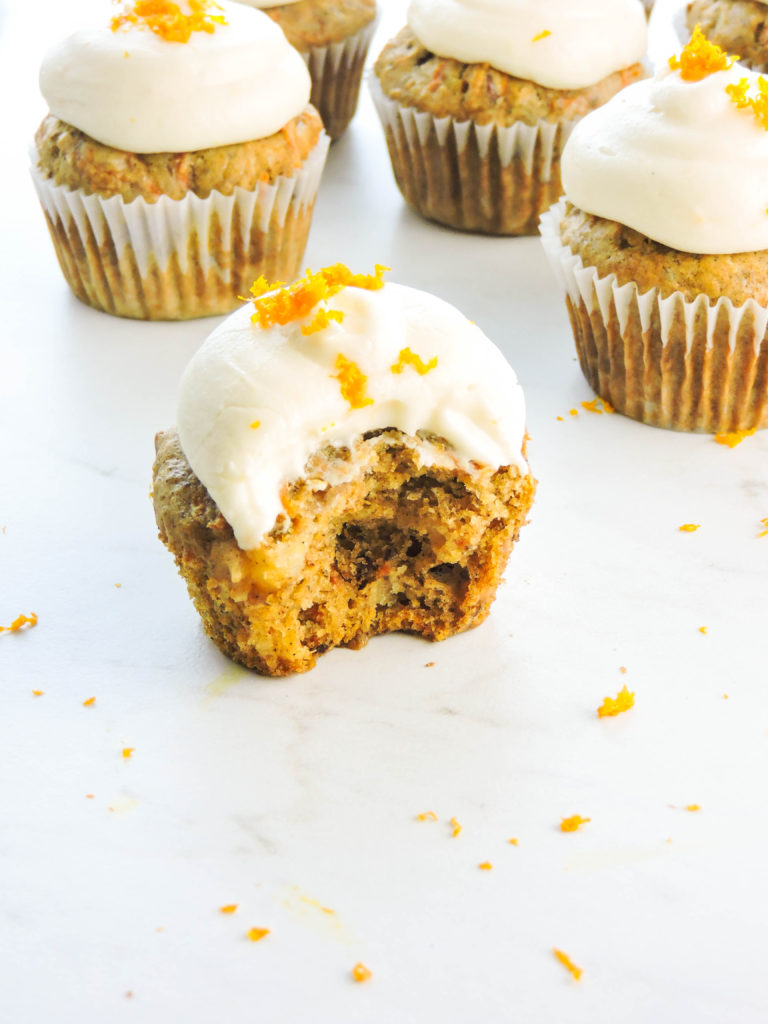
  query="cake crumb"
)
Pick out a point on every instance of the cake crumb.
point(611, 706)
point(573, 823)
point(430, 664)
point(361, 973)
point(257, 934)
point(569, 965)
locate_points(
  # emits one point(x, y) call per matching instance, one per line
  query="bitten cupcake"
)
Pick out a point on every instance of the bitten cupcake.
point(180, 158)
point(662, 244)
point(349, 461)
point(477, 100)
point(333, 37)
point(738, 26)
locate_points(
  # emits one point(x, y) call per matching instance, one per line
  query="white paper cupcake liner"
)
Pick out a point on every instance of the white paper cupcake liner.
point(668, 361)
point(180, 258)
point(486, 178)
point(336, 71)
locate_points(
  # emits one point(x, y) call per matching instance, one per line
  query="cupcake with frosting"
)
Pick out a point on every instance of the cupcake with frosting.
point(349, 460)
point(661, 242)
point(477, 100)
point(333, 37)
point(738, 26)
point(180, 158)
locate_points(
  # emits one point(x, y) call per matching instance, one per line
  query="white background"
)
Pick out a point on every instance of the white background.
point(289, 796)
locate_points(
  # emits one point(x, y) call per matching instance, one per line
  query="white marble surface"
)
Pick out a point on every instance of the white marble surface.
point(293, 795)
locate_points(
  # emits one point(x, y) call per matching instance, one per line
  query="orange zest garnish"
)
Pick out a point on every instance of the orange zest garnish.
point(730, 440)
point(128, 752)
point(623, 701)
point(598, 405)
point(38, 693)
point(456, 827)
point(408, 358)
point(321, 320)
point(168, 20)
point(692, 807)
point(541, 35)
point(700, 58)
point(569, 965)
point(703, 629)
point(361, 973)
point(279, 304)
point(689, 527)
point(486, 866)
point(764, 531)
point(426, 816)
point(514, 842)
point(89, 703)
point(228, 908)
point(256, 424)
point(352, 381)
point(19, 623)
point(758, 104)
point(573, 823)
point(257, 934)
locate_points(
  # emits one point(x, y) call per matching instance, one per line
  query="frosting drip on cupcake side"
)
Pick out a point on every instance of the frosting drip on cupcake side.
point(128, 87)
point(255, 402)
point(682, 161)
point(560, 44)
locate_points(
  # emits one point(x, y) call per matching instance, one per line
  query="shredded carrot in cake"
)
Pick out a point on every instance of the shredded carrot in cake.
point(408, 358)
point(689, 527)
point(573, 823)
point(757, 102)
point(569, 965)
point(257, 934)
point(426, 816)
point(228, 908)
point(89, 703)
point(541, 35)
point(730, 440)
point(169, 21)
point(361, 973)
point(611, 706)
point(352, 381)
point(19, 623)
point(700, 58)
point(456, 827)
point(281, 304)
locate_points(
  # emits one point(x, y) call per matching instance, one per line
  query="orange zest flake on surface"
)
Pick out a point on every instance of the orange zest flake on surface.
point(456, 827)
point(689, 527)
point(730, 440)
point(573, 824)
point(567, 963)
point(764, 524)
point(541, 35)
point(169, 21)
point(19, 623)
point(361, 973)
point(486, 866)
point(598, 405)
point(89, 703)
point(703, 629)
point(38, 693)
point(321, 319)
point(611, 706)
point(514, 841)
point(281, 304)
point(700, 58)
point(573, 412)
point(256, 424)
point(228, 908)
point(692, 807)
point(257, 934)
point(426, 816)
point(128, 752)
point(352, 381)
point(757, 102)
point(408, 358)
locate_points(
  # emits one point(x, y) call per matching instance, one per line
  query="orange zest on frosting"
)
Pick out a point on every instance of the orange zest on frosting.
point(623, 701)
point(321, 320)
point(756, 102)
point(731, 439)
point(19, 623)
point(689, 527)
point(281, 304)
point(569, 965)
point(352, 381)
point(573, 823)
point(700, 58)
point(169, 21)
point(408, 358)
point(257, 934)
point(541, 35)
point(361, 973)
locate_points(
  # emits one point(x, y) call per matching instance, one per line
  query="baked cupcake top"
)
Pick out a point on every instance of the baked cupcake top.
point(682, 158)
point(323, 362)
point(167, 77)
point(560, 44)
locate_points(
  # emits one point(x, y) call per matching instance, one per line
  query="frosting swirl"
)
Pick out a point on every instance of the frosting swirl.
point(677, 160)
point(256, 402)
point(560, 44)
point(133, 90)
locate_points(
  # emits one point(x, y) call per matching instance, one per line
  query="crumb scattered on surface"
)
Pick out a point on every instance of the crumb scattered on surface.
point(573, 823)
point(569, 965)
point(430, 664)
point(611, 706)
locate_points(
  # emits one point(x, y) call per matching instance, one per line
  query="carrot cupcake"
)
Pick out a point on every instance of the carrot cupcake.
point(738, 26)
point(477, 100)
point(164, 199)
point(349, 461)
point(662, 244)
point(333, 37)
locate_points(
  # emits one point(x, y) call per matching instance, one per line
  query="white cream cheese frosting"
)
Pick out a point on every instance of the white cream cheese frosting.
point(677, 161)
point(287, 384)
point(561, 44)
point(132, 90)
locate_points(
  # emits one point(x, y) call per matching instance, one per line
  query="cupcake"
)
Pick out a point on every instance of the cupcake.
point(739, 26)
point(333, 37)
point(349, 460)
point(661, 242)
point(180, 158)
point(477, 100)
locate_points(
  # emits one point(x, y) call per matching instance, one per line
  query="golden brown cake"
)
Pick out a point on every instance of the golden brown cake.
point(738, 26)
